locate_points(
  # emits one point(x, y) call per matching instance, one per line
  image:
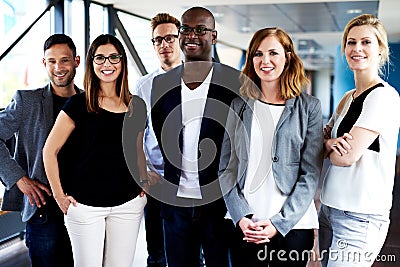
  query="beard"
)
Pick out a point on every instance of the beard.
point(67, 81)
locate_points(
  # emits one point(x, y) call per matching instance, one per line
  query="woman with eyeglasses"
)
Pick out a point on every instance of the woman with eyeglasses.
point(271, 156)
point(102, 202)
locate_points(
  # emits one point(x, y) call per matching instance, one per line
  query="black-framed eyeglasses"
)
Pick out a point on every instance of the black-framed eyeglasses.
point(113, 59)
point(198, 30)
point(169, 38)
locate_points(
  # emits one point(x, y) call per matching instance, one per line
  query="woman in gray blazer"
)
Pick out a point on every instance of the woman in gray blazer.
point(271, 156)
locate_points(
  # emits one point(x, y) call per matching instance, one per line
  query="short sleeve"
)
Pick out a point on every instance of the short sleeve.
point(380, 108)
point(75, 106)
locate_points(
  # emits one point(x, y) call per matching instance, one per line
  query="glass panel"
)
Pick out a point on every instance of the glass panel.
point(74, 21)
point(22, 67)
point(133, 71)
point(98, 21)
point(229, 55)
point(139, 31)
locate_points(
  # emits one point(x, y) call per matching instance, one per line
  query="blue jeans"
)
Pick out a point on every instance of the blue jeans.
point(349, 238)
point(47, 238)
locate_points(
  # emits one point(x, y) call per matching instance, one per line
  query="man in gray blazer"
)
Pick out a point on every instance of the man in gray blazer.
point(29, 118)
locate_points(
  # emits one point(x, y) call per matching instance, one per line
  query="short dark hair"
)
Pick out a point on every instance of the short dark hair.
point(59, 38)
point(162, 18)
point(203, 10)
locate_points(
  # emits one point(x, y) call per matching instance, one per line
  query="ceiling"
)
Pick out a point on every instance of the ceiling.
point(315, 26)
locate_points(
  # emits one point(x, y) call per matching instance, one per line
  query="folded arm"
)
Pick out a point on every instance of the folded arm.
point(350, 147)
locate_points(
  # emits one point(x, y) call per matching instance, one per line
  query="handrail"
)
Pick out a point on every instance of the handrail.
point(121, 29)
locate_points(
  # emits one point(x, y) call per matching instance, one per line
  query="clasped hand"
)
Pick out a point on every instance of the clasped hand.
point(257, 232)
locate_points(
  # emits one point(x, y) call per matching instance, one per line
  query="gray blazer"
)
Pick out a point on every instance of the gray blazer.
point(296, 158)
point(29, 117)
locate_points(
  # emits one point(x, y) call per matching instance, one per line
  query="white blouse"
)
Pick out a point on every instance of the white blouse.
point(260, 189)
point(366, 186)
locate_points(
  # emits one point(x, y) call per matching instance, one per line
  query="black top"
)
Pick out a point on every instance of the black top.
point(65, 154)
point(353, 113)
point(101, 176)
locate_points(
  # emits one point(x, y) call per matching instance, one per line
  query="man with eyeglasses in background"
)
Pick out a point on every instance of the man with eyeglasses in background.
point(30, 117)
point(165, 34)
point(189, 108)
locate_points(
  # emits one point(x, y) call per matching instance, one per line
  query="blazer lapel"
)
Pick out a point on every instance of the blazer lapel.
point(286, 112)
point(173, 88)
point(248, 117)
point(215, 102)
point(175, 102)
point(210, 108)
point(173, 122)
point(175, 106)
point(47, 105)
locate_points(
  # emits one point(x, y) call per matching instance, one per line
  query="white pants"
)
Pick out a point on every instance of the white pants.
point(105, 236)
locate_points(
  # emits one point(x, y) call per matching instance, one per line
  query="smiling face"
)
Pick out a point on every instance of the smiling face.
point(362, 49)
point(169, 54)
point(269, 60)
point(60, 65)
point(107, 72)
point(197, 47)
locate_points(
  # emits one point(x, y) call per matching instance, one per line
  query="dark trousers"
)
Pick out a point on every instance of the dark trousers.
point(47, 238)
point(289, 251)
point(154, 233)
point(187, 230)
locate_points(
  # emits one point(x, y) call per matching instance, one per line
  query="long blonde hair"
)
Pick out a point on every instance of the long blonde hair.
point(293, 79)
point(380, 33)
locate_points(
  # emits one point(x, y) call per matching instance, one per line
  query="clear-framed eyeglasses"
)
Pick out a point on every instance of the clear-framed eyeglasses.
point(170, 38)
point(113, 59)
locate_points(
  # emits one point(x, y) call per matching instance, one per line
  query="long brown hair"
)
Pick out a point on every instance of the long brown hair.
point(91, 82)
point(293, 78)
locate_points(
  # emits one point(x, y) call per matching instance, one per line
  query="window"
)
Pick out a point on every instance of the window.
point(139, 31)
point(229, 55)
point(22, 66)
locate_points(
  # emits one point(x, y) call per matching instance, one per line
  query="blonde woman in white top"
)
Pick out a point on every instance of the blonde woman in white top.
point(360, 141)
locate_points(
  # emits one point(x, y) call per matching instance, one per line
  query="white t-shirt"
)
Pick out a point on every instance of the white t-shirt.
point(366, 186)
point(193, 104)
point(260, 189)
